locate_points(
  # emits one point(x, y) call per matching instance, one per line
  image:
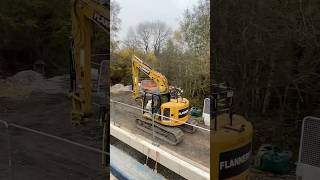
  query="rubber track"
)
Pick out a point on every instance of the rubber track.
point(161, 132)
point(187, 128)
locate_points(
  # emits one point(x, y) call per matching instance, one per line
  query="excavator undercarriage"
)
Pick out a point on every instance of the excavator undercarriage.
point(171, 135)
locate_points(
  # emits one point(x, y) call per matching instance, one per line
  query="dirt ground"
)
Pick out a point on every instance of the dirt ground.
point(37, 157)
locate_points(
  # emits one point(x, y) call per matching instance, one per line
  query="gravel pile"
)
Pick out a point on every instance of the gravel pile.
point(117, 88)
point(25, 82)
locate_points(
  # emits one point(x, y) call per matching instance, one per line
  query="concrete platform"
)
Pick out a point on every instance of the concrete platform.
point(124, 166)
point(175, 162)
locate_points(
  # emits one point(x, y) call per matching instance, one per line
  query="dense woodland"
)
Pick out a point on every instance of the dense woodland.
point(39, 30)
point(269, 52)
point(35, 30)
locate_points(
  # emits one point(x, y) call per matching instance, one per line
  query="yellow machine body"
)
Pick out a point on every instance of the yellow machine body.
point(231, 148)
point(177, 109)
point(83, 14)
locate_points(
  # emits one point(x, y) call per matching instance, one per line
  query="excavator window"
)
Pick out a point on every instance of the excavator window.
point(166, 113)
point(156, 104)
point(152, 102)
point(165, 97)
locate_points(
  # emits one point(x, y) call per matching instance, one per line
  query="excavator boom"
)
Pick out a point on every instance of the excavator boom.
point(137, 66)
point(83, 14)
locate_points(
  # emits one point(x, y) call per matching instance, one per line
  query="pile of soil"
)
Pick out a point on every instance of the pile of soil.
point(22, 84)
point(117, 88)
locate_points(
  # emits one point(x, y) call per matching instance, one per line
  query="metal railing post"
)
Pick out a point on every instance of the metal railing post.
point(153, 116)
point(9, 148)
point(99, 78)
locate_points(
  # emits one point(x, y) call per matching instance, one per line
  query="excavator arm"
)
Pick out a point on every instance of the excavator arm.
point(83, 14)
point(137, 66)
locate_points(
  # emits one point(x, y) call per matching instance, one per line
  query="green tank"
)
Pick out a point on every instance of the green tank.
point(197, 112)
point(271, 158)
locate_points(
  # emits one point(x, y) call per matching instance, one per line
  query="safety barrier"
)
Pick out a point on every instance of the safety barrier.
point(156, 114)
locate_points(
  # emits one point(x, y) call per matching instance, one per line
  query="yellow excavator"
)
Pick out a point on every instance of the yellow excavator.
point(163, 103)
point(84, 13)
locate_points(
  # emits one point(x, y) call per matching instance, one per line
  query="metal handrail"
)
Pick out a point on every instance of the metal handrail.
point(199, 127)
point(8, 125)
point(58, 138)
point(100, 71)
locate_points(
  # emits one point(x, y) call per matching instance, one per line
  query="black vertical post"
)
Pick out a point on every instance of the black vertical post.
point(107, 5)
point(230, 110)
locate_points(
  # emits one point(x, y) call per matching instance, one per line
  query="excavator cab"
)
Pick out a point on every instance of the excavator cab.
point(173, 111)
point(152, 103)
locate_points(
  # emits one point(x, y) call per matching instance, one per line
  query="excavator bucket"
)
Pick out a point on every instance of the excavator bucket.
point(149, 86)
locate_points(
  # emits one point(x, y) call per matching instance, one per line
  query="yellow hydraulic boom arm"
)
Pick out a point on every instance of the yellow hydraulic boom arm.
point(83, 13)
point(137, 66)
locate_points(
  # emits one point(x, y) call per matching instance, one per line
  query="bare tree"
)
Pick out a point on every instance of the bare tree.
point(153, 35)
point(131, 42)
point(160, 33)
point(195, 27)
point(114, 23)
point(144, 32)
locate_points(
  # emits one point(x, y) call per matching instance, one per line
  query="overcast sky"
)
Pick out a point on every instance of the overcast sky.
point(133, 12)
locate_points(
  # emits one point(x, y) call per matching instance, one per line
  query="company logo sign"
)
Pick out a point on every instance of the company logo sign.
point(234, 162)
point(104, 22)
point(183, 112)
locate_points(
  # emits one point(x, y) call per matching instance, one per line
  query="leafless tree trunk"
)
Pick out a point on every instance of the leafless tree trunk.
point(144, 32)
point(266, 99)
